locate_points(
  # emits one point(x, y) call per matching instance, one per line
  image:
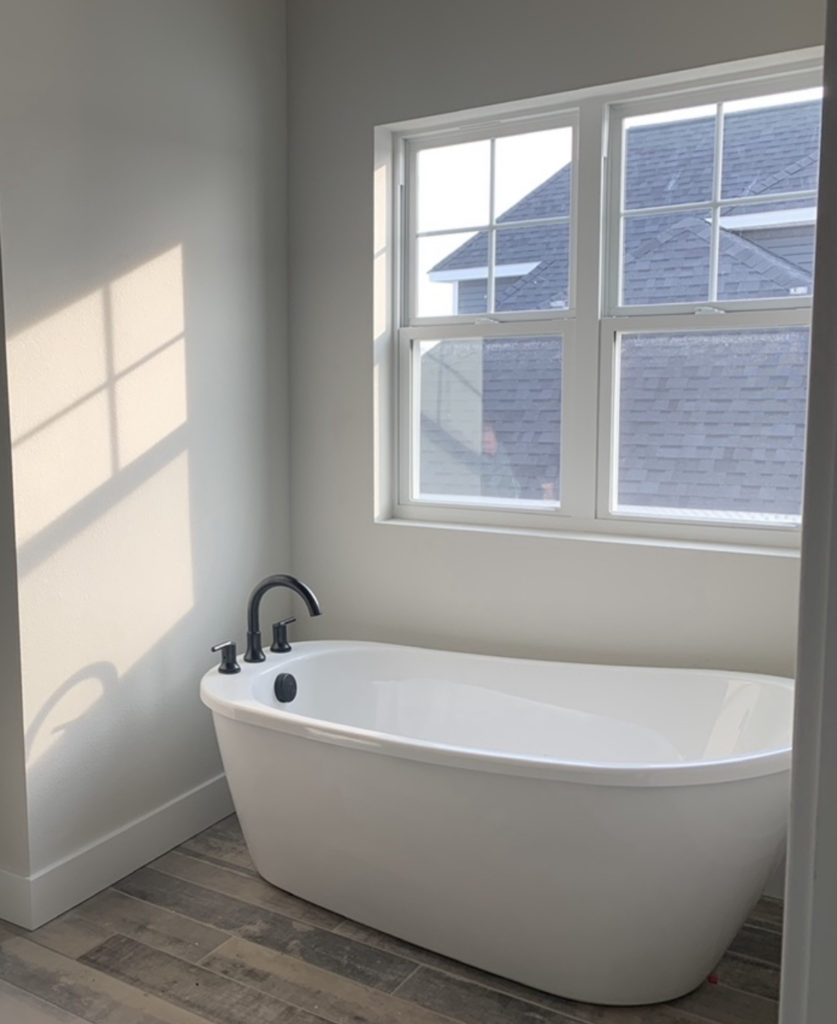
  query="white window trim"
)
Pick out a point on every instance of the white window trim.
point(586, 463)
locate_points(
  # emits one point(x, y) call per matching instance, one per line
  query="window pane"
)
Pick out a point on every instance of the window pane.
point(439, 269)
point(533, 175)
point(669, 158)
point(712, 424)
point(766, 251)
point(453, 186)
point(666, 258)
point(533, 268)
point(771, 144)
point(489, 419)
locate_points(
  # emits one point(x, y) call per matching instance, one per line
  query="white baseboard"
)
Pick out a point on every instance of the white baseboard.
point(14, 898)
point(31, 902)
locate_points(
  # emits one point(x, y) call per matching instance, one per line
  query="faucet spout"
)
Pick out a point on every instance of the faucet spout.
point(254, 638)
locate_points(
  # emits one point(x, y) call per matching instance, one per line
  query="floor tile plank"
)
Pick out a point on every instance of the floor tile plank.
point(153, 925)
point(761, 944)
point(192, 988)
point(724, 1005)
point(380, 940)
point(19, 1007)
point(83, 990)
point(244, 887)
point(70, 934)
point(588, 1013)
point(336, 999)
point(344, 956)
point(473, 1004)
point(9, 930)
point(768, 913)
point(222, 843)
point(749, 976)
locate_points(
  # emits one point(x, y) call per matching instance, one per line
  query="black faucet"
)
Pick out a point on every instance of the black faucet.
point(254, 637)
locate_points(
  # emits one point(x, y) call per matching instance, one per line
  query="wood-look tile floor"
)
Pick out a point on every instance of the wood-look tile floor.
point(198, 936)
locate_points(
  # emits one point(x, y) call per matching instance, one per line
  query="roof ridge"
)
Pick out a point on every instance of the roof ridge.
point(743, 250)
point(526, 279)
point(769, 260)
point(786, 172)
point(691, 221)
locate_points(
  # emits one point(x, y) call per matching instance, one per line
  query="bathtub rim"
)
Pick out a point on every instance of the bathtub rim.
point(216, 689)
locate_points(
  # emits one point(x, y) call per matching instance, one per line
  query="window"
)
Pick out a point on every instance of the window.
point(604, 310)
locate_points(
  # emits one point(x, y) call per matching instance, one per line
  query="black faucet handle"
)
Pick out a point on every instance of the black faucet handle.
point(280, 636)
point(229, 664)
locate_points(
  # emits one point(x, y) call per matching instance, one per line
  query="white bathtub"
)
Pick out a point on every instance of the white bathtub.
point(596, 832)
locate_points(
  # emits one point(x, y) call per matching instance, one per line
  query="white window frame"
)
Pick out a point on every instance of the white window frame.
point(589, 325)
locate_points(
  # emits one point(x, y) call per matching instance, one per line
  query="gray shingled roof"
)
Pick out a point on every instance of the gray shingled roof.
point(672, 265)
point(665, 164)
point(712, 423)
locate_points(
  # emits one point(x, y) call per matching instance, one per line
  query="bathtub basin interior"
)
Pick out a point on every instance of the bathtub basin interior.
point(528, 711)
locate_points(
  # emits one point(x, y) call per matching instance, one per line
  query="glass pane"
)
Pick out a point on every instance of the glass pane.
point(453, 186)
point(669, 157)
point(771, 144)
point(666, 258)
point(533, 175)
point(768, 252)
point(490, 419)
point(532, 268)
point(712, 424)
point(442, 262)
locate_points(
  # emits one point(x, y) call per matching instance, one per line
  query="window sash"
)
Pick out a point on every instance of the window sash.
point(608, 454)
point(411, 146)
point(615, 215)
point(578, 427)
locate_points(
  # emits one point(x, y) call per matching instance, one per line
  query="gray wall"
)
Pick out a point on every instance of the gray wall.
point(355, 65)
point(142, 197)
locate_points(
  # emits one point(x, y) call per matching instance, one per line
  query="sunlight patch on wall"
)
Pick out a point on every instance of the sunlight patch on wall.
point(57, 363)
point(60, 464)
point(94, 387)
point(59, 413)
point(146, 308)
point(102, 500)
point(109, 595)
point(151, 402)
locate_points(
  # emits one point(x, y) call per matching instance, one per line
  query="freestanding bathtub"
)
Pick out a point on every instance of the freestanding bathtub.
point(600, 833)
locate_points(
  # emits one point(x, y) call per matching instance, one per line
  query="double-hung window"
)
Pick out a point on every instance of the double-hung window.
point(603, 309)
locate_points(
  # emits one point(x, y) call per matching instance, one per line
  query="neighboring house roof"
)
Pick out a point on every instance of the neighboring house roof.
point(668, 164)
point(717, 424)
point(672, 265)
